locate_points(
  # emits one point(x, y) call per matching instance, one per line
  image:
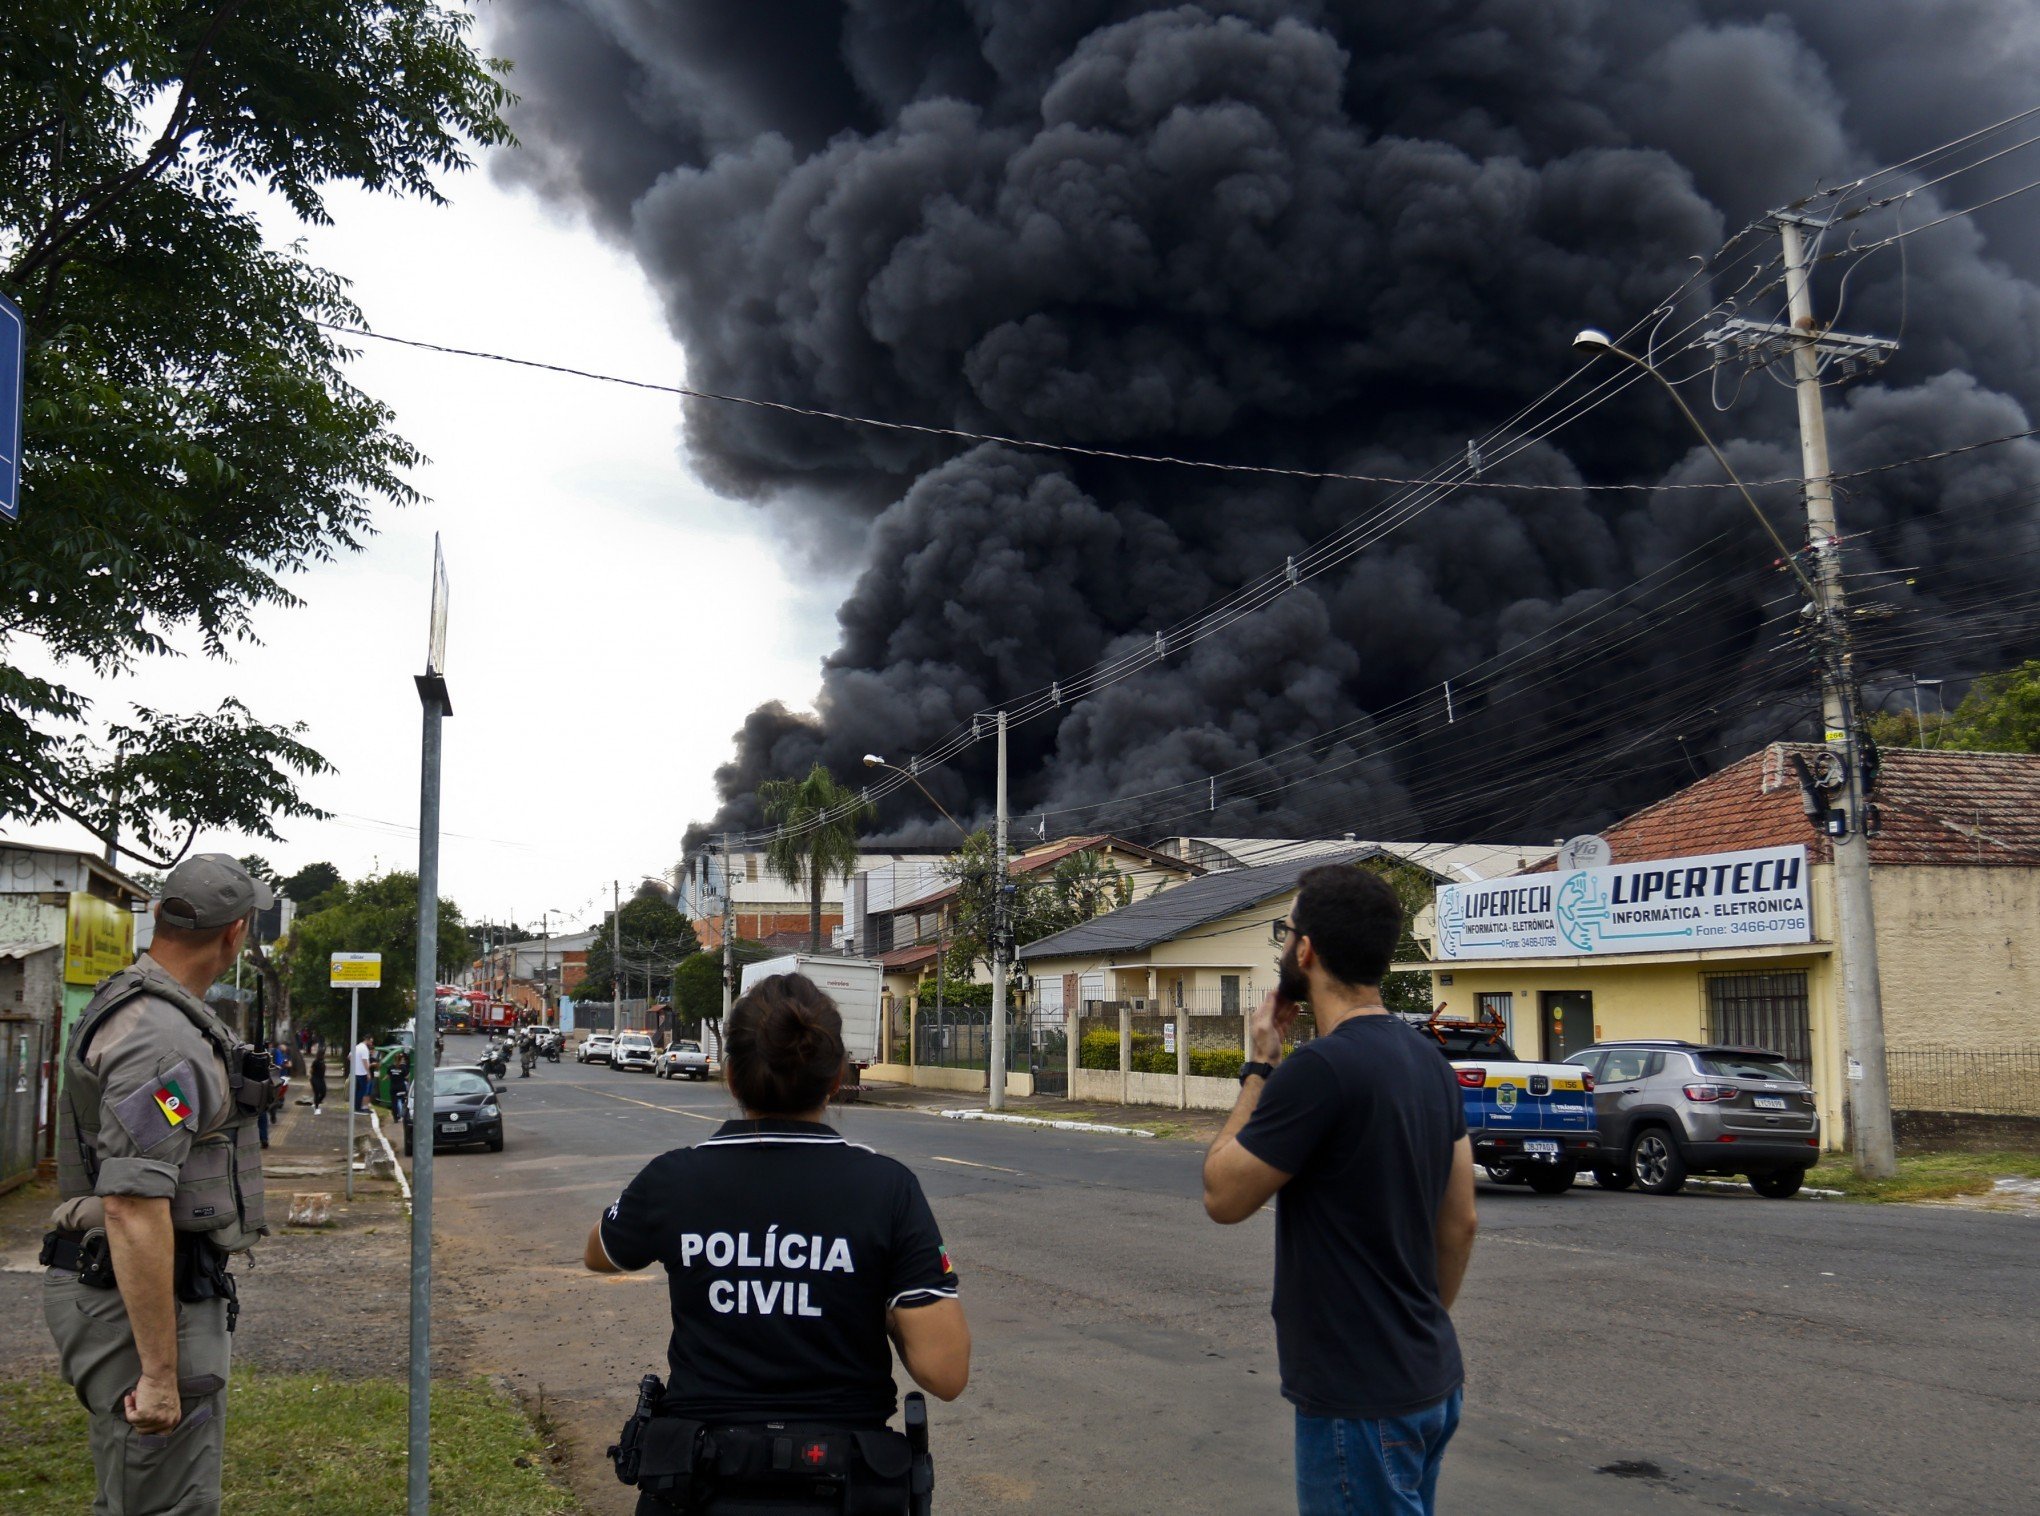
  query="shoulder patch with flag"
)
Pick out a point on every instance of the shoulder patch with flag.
point(947, 1266)
point(170, 1099)
point(155, 1111)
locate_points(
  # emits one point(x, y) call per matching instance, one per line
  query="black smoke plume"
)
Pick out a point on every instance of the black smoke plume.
point(1326, 234)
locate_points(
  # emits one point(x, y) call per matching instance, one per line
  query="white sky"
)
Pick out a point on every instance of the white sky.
point(612, 619)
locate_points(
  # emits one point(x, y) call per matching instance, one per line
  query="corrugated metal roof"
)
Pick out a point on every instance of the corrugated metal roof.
point(1185, 906)
point(26, 949)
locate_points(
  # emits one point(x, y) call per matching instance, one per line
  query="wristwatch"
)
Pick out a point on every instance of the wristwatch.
point(1265, 1070)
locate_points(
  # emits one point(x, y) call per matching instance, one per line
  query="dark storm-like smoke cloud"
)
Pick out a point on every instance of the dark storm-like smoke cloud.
point(1329, 235)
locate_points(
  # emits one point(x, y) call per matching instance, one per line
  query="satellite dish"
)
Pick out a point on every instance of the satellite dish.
point(1586, 852)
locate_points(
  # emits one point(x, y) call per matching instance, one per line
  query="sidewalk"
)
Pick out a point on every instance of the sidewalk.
point(1163, 1121)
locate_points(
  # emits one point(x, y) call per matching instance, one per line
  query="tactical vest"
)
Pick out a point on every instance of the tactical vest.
point(219, 1188)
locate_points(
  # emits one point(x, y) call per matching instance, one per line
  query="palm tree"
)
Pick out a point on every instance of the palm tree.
point(817, 821)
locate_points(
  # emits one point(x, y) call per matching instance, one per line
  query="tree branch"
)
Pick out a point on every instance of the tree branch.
point(78, 215)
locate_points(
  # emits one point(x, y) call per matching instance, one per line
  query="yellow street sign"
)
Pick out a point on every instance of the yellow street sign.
point(357, 971)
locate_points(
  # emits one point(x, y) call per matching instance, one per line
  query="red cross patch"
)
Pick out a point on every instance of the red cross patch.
point(815, 1454)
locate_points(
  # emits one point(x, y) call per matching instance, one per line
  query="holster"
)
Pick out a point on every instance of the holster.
point(200, 1273)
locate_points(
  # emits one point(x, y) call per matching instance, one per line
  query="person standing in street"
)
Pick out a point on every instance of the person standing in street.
point(362, 1062)
point(159, 1182)
point(1361, 1131)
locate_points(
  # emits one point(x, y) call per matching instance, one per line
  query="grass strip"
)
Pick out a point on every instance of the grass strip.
point(1927, 1176)
point(302, 1445)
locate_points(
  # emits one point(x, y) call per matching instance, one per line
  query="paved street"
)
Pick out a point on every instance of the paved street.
point(1625, 1353)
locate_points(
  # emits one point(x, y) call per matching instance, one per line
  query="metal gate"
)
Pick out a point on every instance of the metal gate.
point(1048, 1059)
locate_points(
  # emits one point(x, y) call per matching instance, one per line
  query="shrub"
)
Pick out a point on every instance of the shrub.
point(1100, 1050)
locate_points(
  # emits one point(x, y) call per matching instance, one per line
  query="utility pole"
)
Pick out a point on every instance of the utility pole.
point(729, 939)
point(544, 964)
point(616, 954)
point(1869, 1104)
point(996, 1062)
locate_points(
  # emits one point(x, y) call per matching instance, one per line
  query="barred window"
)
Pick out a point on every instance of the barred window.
point(1765, 1011)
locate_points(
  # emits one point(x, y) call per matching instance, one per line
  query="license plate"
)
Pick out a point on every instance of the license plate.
point(1537, 1149)
point(1770, 1102)
point(450, 1125)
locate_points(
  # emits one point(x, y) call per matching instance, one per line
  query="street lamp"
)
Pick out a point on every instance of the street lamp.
point(873, 761)
point(1593, 340)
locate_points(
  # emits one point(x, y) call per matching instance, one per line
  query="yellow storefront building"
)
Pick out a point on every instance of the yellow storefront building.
point(1955, 877)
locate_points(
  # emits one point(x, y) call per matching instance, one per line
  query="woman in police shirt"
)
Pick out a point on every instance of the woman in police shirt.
point(791, 1255)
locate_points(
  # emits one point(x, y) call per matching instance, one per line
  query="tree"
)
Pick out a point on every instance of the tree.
point(190, 438)
point(1415, 887)
point(374, 916)
point(311, 882)
point(697, 991)
point(655, 937)
point(816, 840)
point(1079, 887)
point(2000, 714)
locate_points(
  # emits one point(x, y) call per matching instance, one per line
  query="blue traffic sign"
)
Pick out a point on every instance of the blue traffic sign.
point(13, 344)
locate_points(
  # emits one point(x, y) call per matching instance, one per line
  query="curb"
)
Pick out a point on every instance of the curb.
point(1733, 1186)
point(1043, 1121)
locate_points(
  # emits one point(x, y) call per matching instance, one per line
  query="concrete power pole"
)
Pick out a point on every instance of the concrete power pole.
point(729, 938)
point(996, 1061)
point(616, 955)
point(1869, 1106)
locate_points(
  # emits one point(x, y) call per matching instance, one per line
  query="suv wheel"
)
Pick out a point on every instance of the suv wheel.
point(1613, 1177)
point(1503, 1173)
point(1655, 1162)
point(1779, 1184)
point(1552, 1178)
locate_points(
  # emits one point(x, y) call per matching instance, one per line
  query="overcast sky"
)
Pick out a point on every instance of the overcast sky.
point(612, 619)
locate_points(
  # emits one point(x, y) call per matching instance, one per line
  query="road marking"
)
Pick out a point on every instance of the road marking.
point(966, 1163)
point(651, 1105)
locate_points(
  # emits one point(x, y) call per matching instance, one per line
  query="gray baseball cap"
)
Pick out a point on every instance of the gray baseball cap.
point(209, 890)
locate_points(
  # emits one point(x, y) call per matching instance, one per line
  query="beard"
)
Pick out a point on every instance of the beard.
point(1290, 981)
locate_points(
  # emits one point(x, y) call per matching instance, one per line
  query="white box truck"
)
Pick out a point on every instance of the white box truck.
point(854, 984)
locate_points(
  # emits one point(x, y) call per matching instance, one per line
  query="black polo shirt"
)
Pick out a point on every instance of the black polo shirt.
point(784, 1247)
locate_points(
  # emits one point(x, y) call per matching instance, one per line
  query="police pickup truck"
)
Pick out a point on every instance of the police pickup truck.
point(1531, 1123)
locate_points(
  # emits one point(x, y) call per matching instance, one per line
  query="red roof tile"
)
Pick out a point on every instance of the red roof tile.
point(1937, 809)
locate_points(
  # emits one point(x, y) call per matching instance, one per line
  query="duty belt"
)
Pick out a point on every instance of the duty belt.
point(199, 1273)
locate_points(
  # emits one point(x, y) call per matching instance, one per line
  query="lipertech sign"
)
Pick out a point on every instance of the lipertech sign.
point(1666, 905)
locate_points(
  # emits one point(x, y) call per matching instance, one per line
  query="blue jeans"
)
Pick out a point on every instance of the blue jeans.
point(1385, 1467)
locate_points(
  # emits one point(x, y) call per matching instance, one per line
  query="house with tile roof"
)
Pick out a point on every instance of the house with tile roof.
point(1955, 881)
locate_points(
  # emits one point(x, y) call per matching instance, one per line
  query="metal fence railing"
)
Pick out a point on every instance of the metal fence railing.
point(1982, 1082)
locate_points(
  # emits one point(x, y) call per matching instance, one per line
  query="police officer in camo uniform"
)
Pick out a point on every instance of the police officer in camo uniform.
point(160, 1179)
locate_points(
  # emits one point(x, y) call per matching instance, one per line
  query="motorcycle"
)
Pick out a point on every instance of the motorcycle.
point(496, 1061)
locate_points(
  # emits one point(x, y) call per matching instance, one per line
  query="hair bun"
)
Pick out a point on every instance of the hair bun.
point(784, 1046)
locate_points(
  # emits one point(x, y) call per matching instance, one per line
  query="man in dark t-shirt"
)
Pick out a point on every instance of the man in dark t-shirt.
point(1361, 1132)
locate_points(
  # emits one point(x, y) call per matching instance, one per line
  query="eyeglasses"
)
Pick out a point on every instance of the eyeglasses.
point(1281, 931)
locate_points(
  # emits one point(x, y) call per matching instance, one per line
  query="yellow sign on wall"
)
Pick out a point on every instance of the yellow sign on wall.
point(99, 938)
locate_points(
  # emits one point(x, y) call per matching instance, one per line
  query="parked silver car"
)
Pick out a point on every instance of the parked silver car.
point(683, 1060)
point(1669, 1109)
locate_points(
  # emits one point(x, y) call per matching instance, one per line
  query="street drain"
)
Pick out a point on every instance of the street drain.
point(1630, 1468)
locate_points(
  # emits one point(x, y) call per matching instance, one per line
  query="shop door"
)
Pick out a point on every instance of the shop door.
point(1567, 1019)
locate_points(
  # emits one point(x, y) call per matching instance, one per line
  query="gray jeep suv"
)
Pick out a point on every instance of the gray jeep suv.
point(1670, 1109)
